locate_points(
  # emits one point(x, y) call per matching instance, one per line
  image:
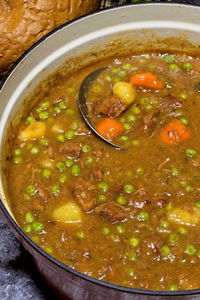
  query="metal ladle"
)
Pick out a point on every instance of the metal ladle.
point(84, 88)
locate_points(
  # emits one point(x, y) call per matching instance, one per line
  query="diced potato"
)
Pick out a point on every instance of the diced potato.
point(56, 128)
point(34, 131)
point(68, 213)
point(181, 216)
point(125, 91)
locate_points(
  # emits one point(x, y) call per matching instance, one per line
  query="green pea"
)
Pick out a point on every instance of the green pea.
point(132, 256)
point(76, 170)
point(165, 251)
point(149, 107)
point(34, 150)
point(86, 148)
point(61, 166)
point(17, 151)
point(182, 230)
point(169, 58)
point(144, 101)
point(63, 178)
point(48, 250)
point(131, 272)
point(57, 109)
point(29, 217)
point(38, 227)
point(103, 186)
point(173, 67)
point(62, 105)
point(143, 216)
point(80, 234)
point(197, 204)
point(134, 242)
point(132, 118)
point(190, 250)
point(135, 142)
point(74, 126)
point(127, 126)
point(198, 253)
point(38, 110)
point(175, 172)
point(184, 121)
point(30, 119)
point(173, 238)
point(136, 110)
point(164, 224)
point(96, 88)
point(191, 153)
point(55, 189)
point(122, 73)
point(115, 70)
point(61, 138)
point(173, 287)
point(89, 159)
point(120, 229)
point(27, 228)
point(126, 66)
point(44, 142)
point(17, 160)
point(69, 112)
point(69, 163)
point(183, 183)
point(128, 188)
point(122, 120)
point(187, 66)
point(31, 190)
point(183, 96)
point(108, 78)
point(102, 199)
point(106, 230)
point(140, 171)
point(69, 135)
point(188, 188)
point(124, 138)
point(45, 105)
point(121, 200)
point(43, 115)
point(46, 173)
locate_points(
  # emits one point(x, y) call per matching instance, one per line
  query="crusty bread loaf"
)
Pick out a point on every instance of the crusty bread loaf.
point(23, 22)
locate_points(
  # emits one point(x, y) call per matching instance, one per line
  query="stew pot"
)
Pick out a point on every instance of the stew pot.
point(126, 28)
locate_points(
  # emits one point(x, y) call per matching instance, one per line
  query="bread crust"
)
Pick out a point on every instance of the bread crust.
point(23, 22)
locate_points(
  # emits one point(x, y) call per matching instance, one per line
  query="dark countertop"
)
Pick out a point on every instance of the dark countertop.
point(19, 280)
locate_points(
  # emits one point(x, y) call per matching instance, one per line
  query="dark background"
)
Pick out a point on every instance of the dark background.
point(18, 278)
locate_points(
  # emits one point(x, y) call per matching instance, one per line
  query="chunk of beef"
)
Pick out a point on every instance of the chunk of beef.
point(170, 104)
point(85, 194)
point(152, 245)
point(72, 149)
point(112, 211)
point(43, 191)
point(111, 106)
point(150, 121)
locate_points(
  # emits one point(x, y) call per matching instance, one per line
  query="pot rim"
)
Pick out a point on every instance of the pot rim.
point(17, 227)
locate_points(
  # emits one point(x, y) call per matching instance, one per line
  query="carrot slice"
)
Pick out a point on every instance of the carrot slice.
point(110, 128)
point(147, 80)
point(175, 132)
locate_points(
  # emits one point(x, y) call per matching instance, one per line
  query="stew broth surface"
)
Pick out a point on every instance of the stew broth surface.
point(127, 217)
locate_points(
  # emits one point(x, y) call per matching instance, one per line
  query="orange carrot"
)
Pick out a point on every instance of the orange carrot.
point(110, 128)
point(175, 132)
point(147, 80)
